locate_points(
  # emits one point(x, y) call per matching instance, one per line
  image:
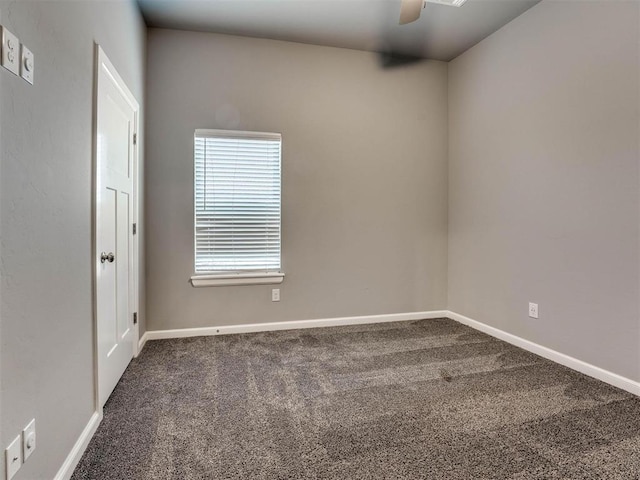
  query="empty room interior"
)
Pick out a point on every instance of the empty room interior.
point(319, 239)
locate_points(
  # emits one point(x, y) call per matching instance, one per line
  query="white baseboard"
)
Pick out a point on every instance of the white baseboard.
point(142, 342)
point(292, 325)
point(611, 378)
point(573, 363)
point(70, 463)
point(614, 379)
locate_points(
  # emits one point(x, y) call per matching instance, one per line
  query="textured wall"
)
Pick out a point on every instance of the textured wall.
point(544, 194)
point(364, 176)
point(46, 353)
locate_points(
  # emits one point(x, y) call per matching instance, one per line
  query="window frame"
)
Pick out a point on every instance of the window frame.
point(234, 277)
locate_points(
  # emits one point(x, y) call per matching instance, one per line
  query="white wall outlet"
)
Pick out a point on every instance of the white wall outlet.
point(13, 457)
point(28, 440)
point(275, 295)
point(533, 310)
point(27, 64)
point(10, 52)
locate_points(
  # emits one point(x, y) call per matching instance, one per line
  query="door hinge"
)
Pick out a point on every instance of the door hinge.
point(135, 318)
point(135, 228)
point(135, 138)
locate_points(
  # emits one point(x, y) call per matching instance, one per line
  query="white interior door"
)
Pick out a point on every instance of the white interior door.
point(116, 297)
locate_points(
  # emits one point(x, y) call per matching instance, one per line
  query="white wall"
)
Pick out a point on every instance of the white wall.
point(543, 193)
point(364, 176)
point(46, 314)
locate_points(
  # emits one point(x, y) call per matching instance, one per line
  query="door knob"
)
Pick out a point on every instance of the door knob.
point(107, 257)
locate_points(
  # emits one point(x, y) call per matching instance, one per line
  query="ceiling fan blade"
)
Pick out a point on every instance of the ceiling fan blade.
point(410, 11)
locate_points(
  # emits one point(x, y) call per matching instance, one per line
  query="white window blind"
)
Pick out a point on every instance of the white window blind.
point(237, 201)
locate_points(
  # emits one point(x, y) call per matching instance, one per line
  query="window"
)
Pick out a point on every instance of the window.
point(237, 207)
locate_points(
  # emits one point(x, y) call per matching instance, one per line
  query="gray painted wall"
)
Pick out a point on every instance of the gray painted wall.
point(543, 188)
point(46, 352)
point(364, 176)
point(544, 194)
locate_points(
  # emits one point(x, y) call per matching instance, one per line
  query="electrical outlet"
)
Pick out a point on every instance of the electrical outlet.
point(10, 52)
point(28, 440)
point(275, 295)
point(533, 310)
point(13, 457)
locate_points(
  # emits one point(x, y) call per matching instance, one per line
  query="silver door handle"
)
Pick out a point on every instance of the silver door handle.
point(107, 257)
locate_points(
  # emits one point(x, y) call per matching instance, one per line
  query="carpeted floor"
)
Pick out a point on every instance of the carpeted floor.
point(429, 399)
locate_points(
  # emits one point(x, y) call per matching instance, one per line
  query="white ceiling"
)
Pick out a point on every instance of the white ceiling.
point(441, 33)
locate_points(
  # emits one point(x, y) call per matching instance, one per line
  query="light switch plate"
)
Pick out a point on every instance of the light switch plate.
point(27, 64)
point(28, 440)
point(10, 51)
point(13, 457)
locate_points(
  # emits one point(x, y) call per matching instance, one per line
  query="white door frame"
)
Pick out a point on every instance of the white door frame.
point(102, 61)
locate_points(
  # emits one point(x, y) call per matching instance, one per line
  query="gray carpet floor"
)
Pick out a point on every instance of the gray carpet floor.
point(429, 399)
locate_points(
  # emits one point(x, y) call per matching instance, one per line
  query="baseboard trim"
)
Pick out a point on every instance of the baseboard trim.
point(631, 386)
point(606, 376)
point(292, 325)
point(142, 342)
point(70, 463)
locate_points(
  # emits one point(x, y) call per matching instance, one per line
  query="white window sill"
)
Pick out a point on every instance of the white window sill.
point(237, 279)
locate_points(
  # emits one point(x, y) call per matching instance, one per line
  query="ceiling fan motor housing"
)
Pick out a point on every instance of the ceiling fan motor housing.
point(410, 9)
